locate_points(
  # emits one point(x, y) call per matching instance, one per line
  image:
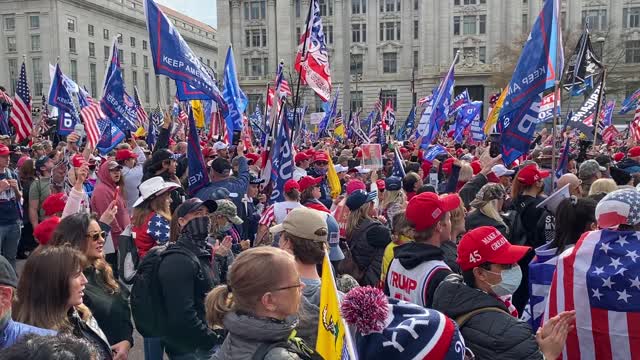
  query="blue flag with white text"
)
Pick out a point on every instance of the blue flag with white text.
point(464, 116)
point(398, 167)
point(438, 113)
point(433, 151)
point(117, 105)
point(198, 177)
point(234, 97)
point(60, 97)
point(110, 138)
point(282, 160)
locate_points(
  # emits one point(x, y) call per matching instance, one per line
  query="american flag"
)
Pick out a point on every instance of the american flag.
point(282, 86)
point(5, 98)
point(599, 279)
point(338, 120)
point(635, 124)
point(389, 116)
point(378, 104)
point(92, 115)
point(21, 111)
point(44, 116)
point(141, 115)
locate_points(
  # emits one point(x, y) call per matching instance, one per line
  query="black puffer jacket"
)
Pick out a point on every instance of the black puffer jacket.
point(367, 245)
point(476, 219)
point(490, 335)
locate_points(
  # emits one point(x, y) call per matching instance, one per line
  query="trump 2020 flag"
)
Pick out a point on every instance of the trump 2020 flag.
point(173, 57)
point(398, 167)
point(464, 116)
point(234, 97)
point(434, 116)
point(111, 136)
point(433, 151)
point(60, 97)
point(281, 160)
point(198, 177)
point(537, 70)
point(598, 278)
point(312, 60)
point(334, 341)
point(630, 102)
point(117, 105)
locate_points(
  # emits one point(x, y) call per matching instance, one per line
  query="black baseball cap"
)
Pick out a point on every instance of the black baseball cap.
point(42, 160)
point(220, 165)
point(194, 204)
point(254, 180)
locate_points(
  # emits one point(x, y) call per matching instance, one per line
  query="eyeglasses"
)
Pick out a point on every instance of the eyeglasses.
point(97, 236)
point(299, 285)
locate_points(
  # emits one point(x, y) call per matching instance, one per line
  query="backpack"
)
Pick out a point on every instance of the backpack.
point(462, 319)
point(128, 259)
point(294, 345)
point(519, 234)
point(147, 307)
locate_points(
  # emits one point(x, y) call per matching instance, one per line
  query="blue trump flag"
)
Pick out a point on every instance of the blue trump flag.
point(117, 106)
point(398, 167)
point(198, 177)
point(114, 64)
point(110, 138)
point(630, 102)
point(537, 70)
point(172, 56)
point(433, 151)
point(234, 97)
point(435, 115)
point(408, 125)
point(155, 121)
point(59, 97)
point(186, 92)
point(282, 161)
point(464, 116)
point(330, 113)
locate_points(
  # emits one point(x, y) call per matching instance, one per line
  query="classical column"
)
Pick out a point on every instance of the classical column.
point(272, 36)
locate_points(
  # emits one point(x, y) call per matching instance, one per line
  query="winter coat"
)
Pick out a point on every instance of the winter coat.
point(184, 287)
point(476, 219)
point(90, 331)
point(103, 195)
point(471, 188)
point(14, 331)
point(450, 252)
point(367, 245)
point(237, 186)
point(629, 165)
point(491, 335)
point(247, 333)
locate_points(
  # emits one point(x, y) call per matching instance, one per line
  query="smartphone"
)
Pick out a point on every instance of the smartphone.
point(236, 137)
point(117, 194)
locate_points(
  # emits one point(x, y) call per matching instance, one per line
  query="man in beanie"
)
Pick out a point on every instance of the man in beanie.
point(632, 163)
point(11, 331)
point(479, 301)
point(418, 267)
point(589, 172)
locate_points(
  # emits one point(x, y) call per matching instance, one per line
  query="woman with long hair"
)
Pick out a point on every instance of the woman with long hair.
point(573, 217)
point(151, 217)
point(26, 174)
point(394, 200)
point(486, 209)
point(50, 295)
point(102, 294)
point(367, 239)
point(258, 306)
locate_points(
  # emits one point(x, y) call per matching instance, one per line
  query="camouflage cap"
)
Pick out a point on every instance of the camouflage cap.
point(488, 193)
point(228, 209)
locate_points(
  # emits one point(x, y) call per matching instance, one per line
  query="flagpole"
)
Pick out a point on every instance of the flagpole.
point(556, 86)
point(598, 106)
point(296, 101)
point(441, 87)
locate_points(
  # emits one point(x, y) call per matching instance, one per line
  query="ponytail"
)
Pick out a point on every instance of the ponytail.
point(218, 303)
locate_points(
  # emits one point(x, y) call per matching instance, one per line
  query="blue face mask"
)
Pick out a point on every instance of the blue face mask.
point(511, 279)
point(321, 171)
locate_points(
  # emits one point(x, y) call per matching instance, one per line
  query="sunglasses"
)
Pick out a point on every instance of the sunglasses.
point(97, 236)
point(322, 163)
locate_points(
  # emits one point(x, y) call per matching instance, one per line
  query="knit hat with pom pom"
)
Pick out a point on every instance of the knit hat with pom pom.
point(393, 329)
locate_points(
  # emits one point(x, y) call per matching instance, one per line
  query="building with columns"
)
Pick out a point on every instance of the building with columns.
point(403, 47)
point(79, 33)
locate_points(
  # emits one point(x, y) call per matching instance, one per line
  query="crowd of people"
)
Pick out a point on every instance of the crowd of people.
point(228, 274)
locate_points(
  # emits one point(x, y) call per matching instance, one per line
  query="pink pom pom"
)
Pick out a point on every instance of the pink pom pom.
point(367, 308)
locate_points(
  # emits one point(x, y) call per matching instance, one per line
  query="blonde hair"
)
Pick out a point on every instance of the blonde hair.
point(356, 217)
point(466, 172)
point(254, 272)
point(601, 186)
point(458, 213)
point(490, 209)
point(393, 196)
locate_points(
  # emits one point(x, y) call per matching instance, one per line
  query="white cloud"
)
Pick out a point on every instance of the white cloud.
point(203, 10)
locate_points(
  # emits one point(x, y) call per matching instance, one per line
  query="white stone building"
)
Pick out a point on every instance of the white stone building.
point(79, 33)
point(390, 45)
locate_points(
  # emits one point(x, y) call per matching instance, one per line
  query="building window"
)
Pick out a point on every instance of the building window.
point(255, 38)
point(298, 10)
point(157, 89)
point(254, 99)
point(631, 17)
point(34, 22)
point(456, 25)
point(328, 34)
point(389, 95)
point(72, 45)
point(91, 30)
point(107, 52)
point(356, 100)
point(358, 6)
point(469, 25)
point(632, 51)
point(389, 5)
point(35, 42)
point(145, 61)
point(390, 63)
point(134, 77)
point(71, 25)
point(147, 97)
point(124, 81)
point(298, 35)
point(482, 24)
point(318, 104)
point(93, 79)
point(416, 29)
point(415, 60)
point(167, 88)
point(37, 76)
point(358, 33)
point(121, 56)
point(105, 34)
point(255, 10)
point(13, 74)
point(209, 62)
point(389, 31)
point(415, 4)
point(469, 2)
point(11, 44)
point(326, 7)
point(92, 49)
point(525, 23)
point(9, 23)
point(482, 54)
point(119, 36)
point(73, 69)
point(256, 66)
point(356, 64)
point(144, 44)
point(132, 41)
point(134, 60)
point(597, 19)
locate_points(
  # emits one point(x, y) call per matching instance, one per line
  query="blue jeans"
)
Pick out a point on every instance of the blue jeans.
point(9, 239)
point(196, 355)
point(153, 349)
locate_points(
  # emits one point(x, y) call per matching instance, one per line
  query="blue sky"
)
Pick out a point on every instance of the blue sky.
point(203, 10)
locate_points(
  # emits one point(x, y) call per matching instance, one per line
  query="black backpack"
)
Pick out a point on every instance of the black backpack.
point(128, 259)
point(519, 234)
point(295, 346)
point(147, 307)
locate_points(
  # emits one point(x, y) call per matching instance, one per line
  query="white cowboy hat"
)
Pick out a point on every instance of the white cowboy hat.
point(154, 186)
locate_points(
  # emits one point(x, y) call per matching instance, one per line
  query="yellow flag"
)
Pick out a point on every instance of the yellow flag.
point(198, 113)
point(332, 179)
point(333, 334)
point(492, 119)
point(140, 132)
point(339, 131)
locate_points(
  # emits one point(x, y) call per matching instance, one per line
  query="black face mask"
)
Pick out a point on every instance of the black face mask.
point(197, 229)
